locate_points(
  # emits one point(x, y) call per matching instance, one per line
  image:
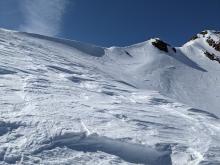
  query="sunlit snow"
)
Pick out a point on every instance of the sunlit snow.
point(65, 102)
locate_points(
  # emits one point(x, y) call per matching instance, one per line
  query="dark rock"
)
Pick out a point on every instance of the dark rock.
point(163, 46)
point(174, 49)
point(214, 44)
point(212, 56)
point(217, 32)
point(160, 45)
point(194, 37)
point(204, 33)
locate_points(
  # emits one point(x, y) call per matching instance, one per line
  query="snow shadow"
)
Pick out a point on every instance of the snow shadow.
point(130, 152)
point(159, 101)
point(64, 70)
point(203, 112)
point(5, 71)
point(109, 93)
point(78, 79)
point(6, 127)
point(125, 83)
point(184, 59)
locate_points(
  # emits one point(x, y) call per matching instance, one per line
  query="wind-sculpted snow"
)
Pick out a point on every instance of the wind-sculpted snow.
point(6, 127)
point(61, 104)
point(134, 153)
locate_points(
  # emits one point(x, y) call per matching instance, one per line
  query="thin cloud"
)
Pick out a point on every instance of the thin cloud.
point(42, 16)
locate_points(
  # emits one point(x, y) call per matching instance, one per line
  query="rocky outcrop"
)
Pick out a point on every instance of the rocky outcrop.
point(212, 56)
point(214, 44)
point(203, 33)
point(161, 45)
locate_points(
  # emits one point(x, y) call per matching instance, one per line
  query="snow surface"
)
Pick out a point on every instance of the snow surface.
point(65, 102)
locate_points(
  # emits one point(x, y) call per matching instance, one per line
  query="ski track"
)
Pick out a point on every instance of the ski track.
point(59, 107)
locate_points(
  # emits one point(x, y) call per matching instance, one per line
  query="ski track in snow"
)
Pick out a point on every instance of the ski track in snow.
point(61, 106)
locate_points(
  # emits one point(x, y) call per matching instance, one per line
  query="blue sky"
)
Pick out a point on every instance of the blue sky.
point(112, 22)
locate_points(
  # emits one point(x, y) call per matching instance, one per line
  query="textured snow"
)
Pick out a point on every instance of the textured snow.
point(66, 102)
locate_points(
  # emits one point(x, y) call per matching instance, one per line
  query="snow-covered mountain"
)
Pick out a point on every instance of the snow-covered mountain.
point(66, 102)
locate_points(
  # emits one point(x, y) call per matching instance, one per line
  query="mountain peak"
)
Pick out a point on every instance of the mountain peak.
point(205, 34)
point(211, 37)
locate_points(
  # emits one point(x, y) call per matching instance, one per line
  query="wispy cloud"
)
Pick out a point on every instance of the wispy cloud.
point(42, 16)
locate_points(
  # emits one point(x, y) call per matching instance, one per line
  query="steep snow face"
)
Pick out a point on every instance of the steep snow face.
point(205, 93)
point(186, 74)
point(64, 102)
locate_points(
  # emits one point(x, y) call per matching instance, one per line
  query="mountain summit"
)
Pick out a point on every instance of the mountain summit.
point(66, 102)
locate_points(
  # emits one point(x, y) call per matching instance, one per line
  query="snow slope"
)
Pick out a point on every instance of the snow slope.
point(65, 102)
